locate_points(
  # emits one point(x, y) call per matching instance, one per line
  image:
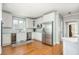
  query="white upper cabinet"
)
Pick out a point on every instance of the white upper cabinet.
point(46, 18)
point(7, 19)
point(29, 23)
point(49, 17)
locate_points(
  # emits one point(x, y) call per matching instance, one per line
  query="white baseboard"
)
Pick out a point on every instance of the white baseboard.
point(57, 42)
point(6, 44)
point(21, 43)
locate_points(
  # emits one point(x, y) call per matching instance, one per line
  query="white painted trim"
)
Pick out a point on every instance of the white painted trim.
point(21, 43)
point(57, 42)
point(70, 15)
point(6, 44)
point(71, 20)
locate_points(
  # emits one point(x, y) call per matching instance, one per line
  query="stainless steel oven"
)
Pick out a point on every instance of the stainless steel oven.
point(47, 33)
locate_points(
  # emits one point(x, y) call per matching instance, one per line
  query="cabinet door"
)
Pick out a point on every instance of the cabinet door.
point(6, 39)
point(29, 23)
point(7, 20)
point(21, 37)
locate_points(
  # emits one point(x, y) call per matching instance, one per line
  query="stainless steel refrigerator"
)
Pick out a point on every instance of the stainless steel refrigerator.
point(47, 33)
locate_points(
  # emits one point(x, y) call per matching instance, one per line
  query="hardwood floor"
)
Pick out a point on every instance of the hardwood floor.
point(34, 48)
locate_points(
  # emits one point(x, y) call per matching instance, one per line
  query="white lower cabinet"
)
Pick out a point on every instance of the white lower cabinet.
point(20, 37)
point(37, 36)
point(6, 39)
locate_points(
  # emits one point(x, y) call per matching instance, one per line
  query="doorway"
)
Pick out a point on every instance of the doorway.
point(72, 29)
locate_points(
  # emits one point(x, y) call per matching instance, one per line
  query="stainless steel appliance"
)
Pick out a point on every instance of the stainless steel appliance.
point(13, 38)
point(29, 36)
point(47, 34)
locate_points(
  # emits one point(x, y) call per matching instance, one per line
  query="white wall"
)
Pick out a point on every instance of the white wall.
point(0, 24)
point(58, 28)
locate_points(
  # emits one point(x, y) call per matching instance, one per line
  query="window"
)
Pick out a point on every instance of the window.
point(18, 23)
point(15, 22)
point(21, 22)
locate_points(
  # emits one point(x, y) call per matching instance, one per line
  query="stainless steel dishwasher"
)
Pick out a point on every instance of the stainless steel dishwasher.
point(29, 36)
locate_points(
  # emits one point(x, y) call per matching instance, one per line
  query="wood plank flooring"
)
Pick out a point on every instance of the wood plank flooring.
point(34, 48)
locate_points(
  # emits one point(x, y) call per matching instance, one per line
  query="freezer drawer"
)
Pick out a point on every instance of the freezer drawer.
point(48, 39)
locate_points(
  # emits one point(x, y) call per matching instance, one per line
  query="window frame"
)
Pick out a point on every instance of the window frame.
point(18, 24)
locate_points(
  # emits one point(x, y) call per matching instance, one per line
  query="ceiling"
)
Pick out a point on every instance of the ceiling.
point(38, 9)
